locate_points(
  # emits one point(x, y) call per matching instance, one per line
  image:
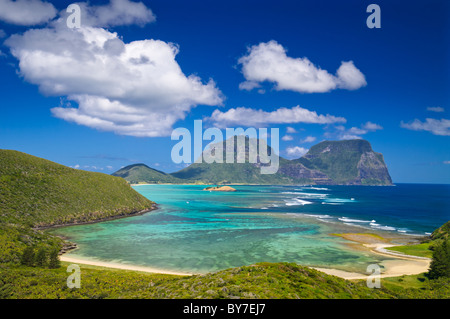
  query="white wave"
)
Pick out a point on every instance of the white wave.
point(325, 203)
point(306, 194)
point(318, 216)
point(297, 201)
point(339, 200)
point(319, 188)
point(384, 227)
point(345, 219)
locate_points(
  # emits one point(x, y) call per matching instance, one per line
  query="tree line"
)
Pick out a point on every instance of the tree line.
point(40, 257)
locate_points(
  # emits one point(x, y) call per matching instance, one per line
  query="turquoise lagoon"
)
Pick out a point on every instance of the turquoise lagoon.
point(197, 231)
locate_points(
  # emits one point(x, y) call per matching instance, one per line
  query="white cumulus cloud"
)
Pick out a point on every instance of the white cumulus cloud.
point(269, 62)
point(356, 132)
point(290, 129)
point(437, 109)
point(296, 151)
point(252, 117)
point(26, 12)
point(308, 139)
point(115, 13)
point(434, 126)
point(135, 88)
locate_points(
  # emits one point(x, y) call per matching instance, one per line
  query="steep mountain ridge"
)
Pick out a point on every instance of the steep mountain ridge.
point(348, 162)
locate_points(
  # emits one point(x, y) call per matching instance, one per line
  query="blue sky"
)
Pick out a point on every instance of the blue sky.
point(110, 93)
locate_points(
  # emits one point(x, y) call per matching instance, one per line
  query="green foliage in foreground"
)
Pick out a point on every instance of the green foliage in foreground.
point(417, 287)
point(263, 280)
point(14, 239)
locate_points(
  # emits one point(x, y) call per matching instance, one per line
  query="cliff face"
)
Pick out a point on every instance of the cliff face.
point(351, 162)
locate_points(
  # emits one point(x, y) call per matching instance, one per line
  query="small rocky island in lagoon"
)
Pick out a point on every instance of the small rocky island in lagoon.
point(220, 188)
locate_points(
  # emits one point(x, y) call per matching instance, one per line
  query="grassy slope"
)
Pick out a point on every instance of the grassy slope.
point(38, 192)
point(425, 249)
point(35, 192)
point(263, 280)
point(421, 250)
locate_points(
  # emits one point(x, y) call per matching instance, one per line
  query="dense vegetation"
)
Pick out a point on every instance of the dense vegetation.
point(263, 280)
point(440, 264)
point(35, 193)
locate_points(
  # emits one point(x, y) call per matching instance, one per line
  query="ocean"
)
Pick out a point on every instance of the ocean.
point(199, 231)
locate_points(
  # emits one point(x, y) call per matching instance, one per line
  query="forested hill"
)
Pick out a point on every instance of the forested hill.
point(38, 192)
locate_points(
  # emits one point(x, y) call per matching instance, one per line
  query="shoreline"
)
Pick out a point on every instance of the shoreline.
point(105, 219)
point(400, 265)
point(77, 260)
point(375, 243)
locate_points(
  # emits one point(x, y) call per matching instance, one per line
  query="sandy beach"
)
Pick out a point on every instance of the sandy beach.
point(402, 265)
point(120, 266)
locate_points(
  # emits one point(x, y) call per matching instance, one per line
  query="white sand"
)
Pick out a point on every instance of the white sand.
point(403, 265)
point(119, 266)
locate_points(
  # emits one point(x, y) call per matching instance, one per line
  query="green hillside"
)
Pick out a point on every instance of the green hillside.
point(35, 192)
point(229, 173)
point(441, 233)
point(259, 281)
point(263, 280)
point(239, 173)
point(141, 173)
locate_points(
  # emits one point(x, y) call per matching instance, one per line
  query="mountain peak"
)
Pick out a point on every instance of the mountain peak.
point(141, 173)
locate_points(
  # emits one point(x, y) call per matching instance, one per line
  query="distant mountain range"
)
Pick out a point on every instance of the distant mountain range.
point(349, 162)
